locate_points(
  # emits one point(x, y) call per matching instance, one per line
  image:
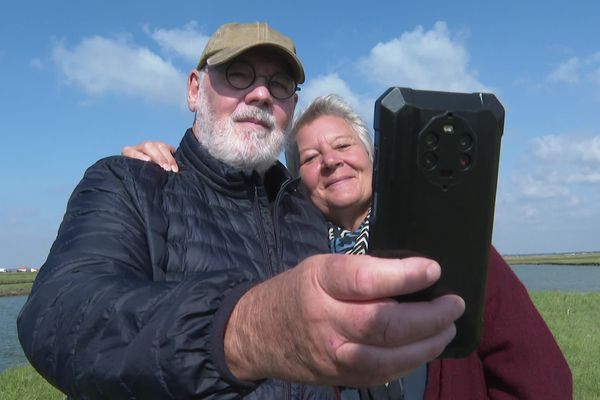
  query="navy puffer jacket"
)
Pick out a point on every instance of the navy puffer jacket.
point(134, 297)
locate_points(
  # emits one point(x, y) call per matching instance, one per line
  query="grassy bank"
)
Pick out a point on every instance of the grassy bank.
point(572, 317)
point(16, 283)
point(25, 383)
point(591, 258)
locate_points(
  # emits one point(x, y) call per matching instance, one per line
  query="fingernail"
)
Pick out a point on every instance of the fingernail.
point(433, 271)
point(166, 167)
point(459, 308)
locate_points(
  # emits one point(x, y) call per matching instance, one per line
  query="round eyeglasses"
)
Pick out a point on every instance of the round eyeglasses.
point(241, 75)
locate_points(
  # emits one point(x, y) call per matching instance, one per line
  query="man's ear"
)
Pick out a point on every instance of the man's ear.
point(193, 88)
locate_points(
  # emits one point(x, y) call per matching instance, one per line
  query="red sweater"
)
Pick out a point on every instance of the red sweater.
point(517, 358)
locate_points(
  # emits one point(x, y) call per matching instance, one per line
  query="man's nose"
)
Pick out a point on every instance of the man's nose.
point(259, 92)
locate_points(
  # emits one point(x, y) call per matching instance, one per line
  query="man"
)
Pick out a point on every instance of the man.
point(214, 282)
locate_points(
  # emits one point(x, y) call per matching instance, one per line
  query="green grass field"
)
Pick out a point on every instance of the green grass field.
point(24, 383)
point(592, 258)
point(16, 283)
point(574, 319)
point(17, 277)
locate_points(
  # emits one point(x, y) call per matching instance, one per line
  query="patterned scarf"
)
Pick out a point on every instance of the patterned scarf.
point(342, 241)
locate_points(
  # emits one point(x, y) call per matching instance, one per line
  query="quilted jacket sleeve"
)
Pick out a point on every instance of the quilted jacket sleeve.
point(98, 325)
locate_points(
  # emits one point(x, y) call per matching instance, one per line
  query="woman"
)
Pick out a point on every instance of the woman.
point(517, 358)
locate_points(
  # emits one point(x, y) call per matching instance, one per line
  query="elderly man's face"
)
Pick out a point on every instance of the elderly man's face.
point(245, 128)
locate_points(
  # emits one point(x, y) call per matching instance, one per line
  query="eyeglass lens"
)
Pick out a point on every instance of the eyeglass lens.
point(242, 75)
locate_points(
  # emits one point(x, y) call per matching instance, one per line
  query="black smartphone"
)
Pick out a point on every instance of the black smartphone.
point(434, 190)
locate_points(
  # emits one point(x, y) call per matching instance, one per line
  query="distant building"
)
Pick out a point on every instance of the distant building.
point(23, 269)
point(3, 270)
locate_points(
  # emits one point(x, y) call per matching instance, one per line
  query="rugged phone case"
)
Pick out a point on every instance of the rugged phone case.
point(434, 189)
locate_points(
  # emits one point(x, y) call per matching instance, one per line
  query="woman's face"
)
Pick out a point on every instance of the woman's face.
point(336, 170)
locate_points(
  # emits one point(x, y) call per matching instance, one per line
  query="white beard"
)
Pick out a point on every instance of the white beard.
point(252, 148)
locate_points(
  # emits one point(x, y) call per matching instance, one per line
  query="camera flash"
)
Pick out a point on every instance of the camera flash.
point(448, 128)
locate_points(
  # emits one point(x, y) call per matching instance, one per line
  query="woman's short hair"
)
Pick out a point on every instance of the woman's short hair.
point(331, 105)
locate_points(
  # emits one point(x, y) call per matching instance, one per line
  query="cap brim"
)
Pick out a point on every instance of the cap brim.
point(230, 53)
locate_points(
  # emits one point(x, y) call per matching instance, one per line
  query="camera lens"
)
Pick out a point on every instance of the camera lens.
point(430, 140)
point(465, 141)
point(429, 160)
point(464, 161)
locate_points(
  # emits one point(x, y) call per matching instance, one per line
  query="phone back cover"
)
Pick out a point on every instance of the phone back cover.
point(434, 188)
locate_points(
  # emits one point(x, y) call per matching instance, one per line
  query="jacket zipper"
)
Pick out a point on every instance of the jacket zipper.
point(278, 244)
point(279, 248)
point(262, 233)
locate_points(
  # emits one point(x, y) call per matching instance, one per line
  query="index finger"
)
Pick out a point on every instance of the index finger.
point(167, 152)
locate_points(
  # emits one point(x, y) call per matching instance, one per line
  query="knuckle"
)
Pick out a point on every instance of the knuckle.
point(362, 281)
point(387, 332)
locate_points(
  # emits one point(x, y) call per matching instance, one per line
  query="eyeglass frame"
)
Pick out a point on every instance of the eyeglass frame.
point(224, 70)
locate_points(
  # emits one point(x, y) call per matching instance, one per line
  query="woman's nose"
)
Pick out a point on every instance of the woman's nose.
point(331, 159)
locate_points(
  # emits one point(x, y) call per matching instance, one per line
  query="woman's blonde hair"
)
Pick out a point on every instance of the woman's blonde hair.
point(331, 105)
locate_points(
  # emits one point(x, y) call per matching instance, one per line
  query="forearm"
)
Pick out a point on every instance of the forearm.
point(257, 342)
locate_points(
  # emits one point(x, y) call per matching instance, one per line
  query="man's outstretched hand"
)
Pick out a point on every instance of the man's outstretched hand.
point(332, 320)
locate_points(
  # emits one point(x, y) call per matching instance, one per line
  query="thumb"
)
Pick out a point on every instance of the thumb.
point(362, 277)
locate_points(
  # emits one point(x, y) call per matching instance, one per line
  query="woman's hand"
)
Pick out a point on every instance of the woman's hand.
point(157, 152)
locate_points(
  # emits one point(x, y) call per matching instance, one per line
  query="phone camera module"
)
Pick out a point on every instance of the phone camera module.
point(429, 160)
point(465, 141)
point(464, 161)
point(448, 129)
point(430, 140)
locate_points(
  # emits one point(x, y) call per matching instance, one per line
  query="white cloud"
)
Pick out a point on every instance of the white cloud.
point(327, 84)
point(423, 60)
point(572, 148)
point(333, 84)
point(100, 65)
point(578, 70)
point(547, 147)
point(588, 149)
point(187, 43)
point(540, 188)
point(588, 176)
point(565, 166)
point(567, 71)
point(561, 183)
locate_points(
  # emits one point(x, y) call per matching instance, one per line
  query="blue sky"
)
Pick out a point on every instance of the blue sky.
point(81, 79)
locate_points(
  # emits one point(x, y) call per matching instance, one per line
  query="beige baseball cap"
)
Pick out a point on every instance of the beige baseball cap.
point(231, 40)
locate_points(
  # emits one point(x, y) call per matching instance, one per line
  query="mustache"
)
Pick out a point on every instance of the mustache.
point(255, 113)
